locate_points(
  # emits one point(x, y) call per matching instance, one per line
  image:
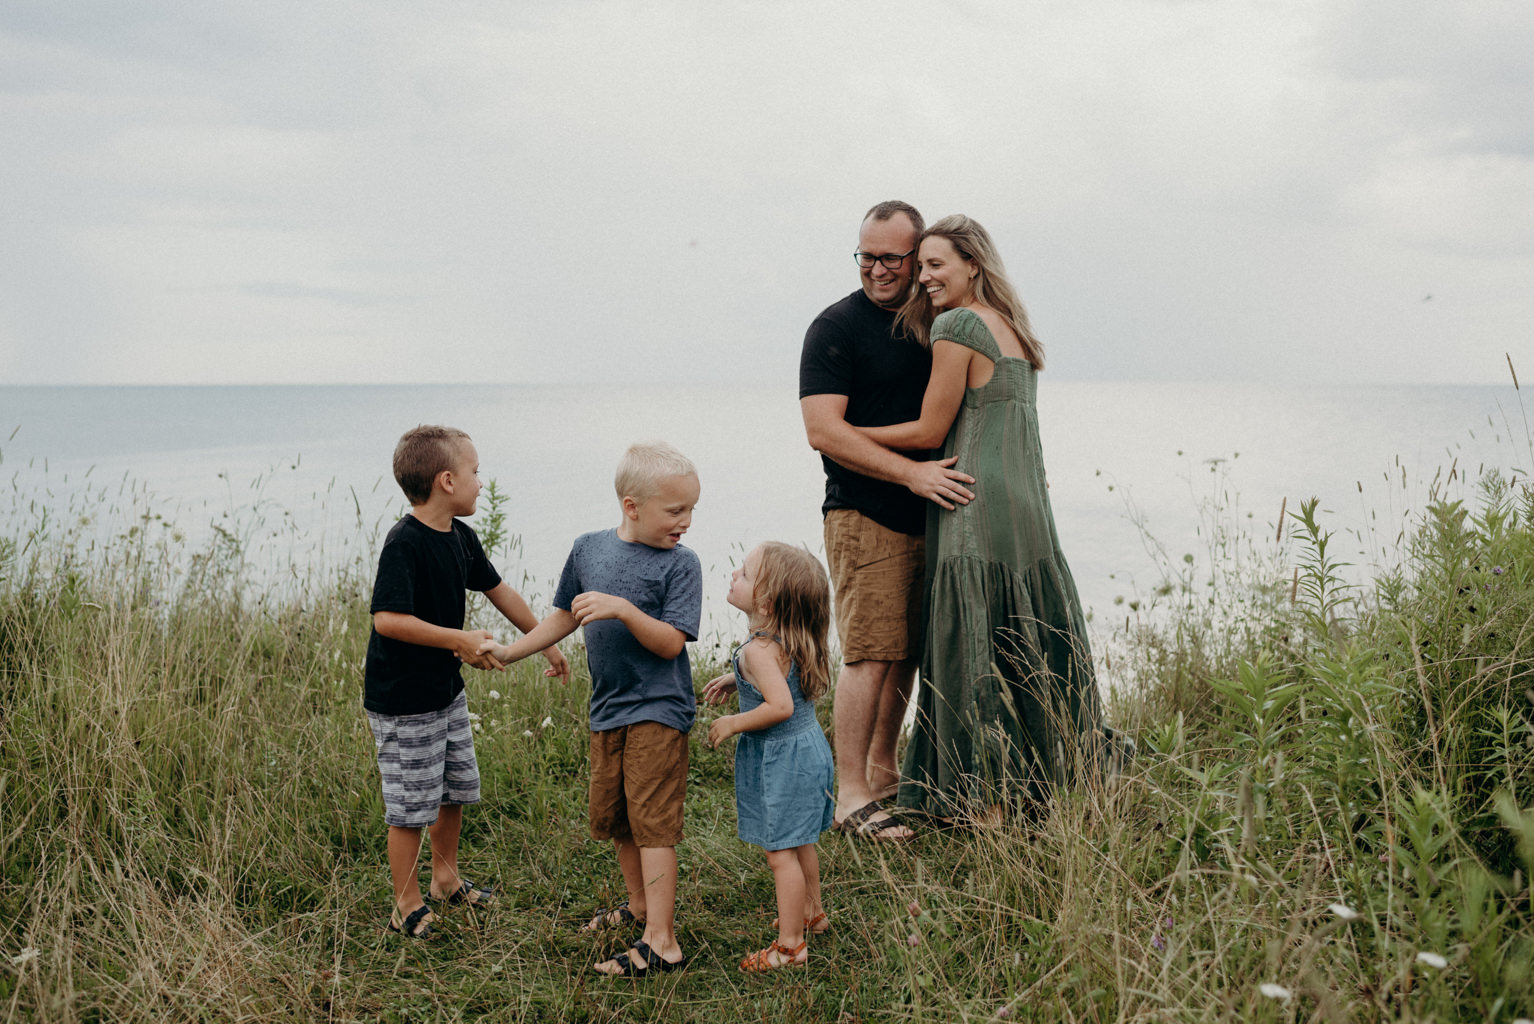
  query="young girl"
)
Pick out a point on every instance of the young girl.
point(783, 773)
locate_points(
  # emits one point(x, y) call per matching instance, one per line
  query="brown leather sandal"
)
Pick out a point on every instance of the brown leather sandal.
point(760, 962)
point(817, 925)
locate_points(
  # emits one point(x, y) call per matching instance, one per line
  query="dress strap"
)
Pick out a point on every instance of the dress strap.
point(964, 327)
point(765, 634)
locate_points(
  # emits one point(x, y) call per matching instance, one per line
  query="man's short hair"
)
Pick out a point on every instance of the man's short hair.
point(890, 207)
point(421, 454)
point(645, 465)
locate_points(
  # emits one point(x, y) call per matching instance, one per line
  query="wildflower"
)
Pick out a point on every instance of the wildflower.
point(1496, 570)
point(527, 732)
point(1157, 942)
point(1344, 911)
point(1432, 960)
point(548, 721)
point(1167, 924)
point(913, 908)
point(913, 940)
point(494, 695)
point(478, 727)
point(27, 955)
point(1522, 1020)
point(1275, 991)
point(1003, 1011)
point(473, 716)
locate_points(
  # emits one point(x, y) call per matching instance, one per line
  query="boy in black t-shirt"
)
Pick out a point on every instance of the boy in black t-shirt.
point(413, 691)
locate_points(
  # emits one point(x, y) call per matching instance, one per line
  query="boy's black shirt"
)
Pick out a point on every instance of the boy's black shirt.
point(425, 573)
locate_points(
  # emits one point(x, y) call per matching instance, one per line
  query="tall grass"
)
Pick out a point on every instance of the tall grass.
point(1330, 817)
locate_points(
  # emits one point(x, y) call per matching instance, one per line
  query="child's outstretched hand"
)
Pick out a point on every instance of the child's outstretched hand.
point(721, 729)
point(718, 689)
point(488, 648)
point(475, 650)
point(558, 668)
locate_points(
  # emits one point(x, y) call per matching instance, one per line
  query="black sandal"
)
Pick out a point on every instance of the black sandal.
point(654, 963)
point(854, 821)
point(626, 919)
point(467, 892)
point(412, 926)
point(860, 824)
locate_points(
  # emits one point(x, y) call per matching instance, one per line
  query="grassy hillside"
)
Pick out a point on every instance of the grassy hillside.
point(1331, 817)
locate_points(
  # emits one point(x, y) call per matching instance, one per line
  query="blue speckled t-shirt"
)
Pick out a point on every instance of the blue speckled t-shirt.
point(628, 683)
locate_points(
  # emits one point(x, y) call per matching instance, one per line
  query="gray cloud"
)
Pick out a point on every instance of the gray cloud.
point(322, 192)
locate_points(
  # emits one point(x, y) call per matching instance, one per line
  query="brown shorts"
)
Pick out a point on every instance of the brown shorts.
point(638, 779)
point(876, 575)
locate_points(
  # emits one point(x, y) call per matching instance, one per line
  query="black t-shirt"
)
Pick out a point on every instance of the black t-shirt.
point(425, 573)
point(851, 349)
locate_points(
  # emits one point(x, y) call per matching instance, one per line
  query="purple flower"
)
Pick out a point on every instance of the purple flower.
point(1496, 570)
point(913, 939)
point(1157, 942)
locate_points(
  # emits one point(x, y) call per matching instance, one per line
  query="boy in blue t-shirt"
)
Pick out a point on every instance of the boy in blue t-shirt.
point(639, 595)
point(413, 691)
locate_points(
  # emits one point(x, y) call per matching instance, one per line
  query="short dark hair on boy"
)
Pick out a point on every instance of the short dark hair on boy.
point(421, 454)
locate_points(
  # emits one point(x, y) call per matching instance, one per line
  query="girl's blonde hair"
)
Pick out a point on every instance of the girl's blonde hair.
point(792, 583)
point(992, 288)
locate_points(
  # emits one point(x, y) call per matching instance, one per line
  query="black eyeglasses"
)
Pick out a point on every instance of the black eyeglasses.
point(892, 260)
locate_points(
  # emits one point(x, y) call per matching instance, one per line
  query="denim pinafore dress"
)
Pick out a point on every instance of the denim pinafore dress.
point(784, 776)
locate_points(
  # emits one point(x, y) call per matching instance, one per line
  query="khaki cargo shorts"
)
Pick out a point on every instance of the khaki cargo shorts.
point(876, 577)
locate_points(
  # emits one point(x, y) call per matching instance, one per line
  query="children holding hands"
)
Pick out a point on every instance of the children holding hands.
point(638, 594)
point(413, 690)
point(783, 766)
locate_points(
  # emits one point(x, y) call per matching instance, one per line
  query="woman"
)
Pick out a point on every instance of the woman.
point(1010, 707)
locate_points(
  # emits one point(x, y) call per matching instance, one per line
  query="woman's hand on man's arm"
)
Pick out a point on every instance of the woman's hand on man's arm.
point(829, 433)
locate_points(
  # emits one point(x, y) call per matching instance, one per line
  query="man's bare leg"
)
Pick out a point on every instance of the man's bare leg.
point(883, 769)
point(853, 712)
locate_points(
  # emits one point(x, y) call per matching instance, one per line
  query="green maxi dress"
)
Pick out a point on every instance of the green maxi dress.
point(1009, 706)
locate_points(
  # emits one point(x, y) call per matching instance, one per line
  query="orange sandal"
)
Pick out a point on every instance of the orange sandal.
point(817, 925)
point(760, 962)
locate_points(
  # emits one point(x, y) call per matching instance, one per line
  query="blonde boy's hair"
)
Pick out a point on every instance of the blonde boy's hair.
point(792, 583)
point(421, 454)
point(645, 465)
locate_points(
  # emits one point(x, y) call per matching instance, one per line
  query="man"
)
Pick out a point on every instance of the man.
point(856, 370)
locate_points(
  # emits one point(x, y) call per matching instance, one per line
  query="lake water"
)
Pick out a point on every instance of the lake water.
point(1131, 464)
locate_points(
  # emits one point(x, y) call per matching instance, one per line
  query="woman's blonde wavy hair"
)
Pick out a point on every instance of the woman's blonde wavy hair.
point(992, 288)
point(792, 584)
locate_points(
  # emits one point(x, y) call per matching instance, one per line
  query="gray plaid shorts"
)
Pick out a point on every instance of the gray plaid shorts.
point(426, 760)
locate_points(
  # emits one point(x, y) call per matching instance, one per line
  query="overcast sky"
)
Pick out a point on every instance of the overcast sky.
point(314, 191)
